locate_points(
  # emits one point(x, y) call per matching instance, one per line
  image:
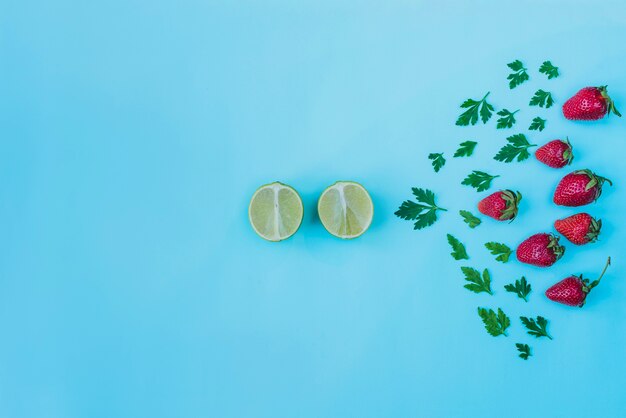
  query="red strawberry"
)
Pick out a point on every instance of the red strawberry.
point(573, 290)
point(501, 205)
point(590, 103)
point(579, 188)
point(579, 229)
point(540, 250)
point(556, 154)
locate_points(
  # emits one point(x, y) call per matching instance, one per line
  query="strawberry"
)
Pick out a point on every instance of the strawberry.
point(541, 250)
point(501, 205)
point(590, 103)
point(579, 229)
point(579, 188)
point(573, 290)
point(555, 154)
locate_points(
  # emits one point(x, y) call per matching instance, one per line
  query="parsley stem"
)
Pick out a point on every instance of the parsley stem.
point(485, 96)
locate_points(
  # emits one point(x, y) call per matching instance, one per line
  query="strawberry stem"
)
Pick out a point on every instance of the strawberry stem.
point(596, 281)
point(605, 179)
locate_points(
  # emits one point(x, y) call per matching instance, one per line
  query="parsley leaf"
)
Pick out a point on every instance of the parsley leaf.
point(542, 99)
point(507, 120)
point(524, 350)
point(495, 324)
point(423, 213)
point(477, 283)
point(517, 147)
point(438, 160)
point(465, 149)
point(538, 124)
point(479, 180)
point(502, 251)
point(536, 328)
point(521, 287)
point(458, 249)
point(519, 74)
point(548, 69)
point(474, 107)
point(469, 218)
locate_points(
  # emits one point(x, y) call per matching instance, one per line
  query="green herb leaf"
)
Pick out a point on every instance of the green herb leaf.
point(477, 283)
point(524, 350)
point(423, 213)
point(438, 160)
point(465, 149)
point(536, 328)
point(495, 324)
point(507, 120)
point(517, 147)
point(521, 288)
point(537, 124)
point(474, 108)
point(542, 99)
point(458, 249)
point(479, 180)
point(502, 251)
point(519, 74)
point(469, 218)
point(548, 69)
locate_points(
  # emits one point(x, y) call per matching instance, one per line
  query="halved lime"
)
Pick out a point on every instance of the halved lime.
point(275, 211)
point(345, 209)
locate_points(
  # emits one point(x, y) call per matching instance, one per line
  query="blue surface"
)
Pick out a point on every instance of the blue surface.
point(133, 133)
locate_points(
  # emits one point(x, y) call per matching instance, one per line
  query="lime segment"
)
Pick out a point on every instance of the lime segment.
point(345, 209)
point(275, 211)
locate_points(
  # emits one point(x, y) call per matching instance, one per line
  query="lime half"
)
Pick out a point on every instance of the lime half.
point(275, 211)
point(345, 209)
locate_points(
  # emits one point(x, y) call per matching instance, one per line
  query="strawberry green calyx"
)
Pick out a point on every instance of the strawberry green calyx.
point(587, 287)
point(610, 104)
point(568, 154)
point(557, 249)
point(512, 200)
point(594, 229)
point(594, 180)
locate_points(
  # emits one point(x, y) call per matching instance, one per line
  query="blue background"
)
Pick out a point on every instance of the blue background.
point(133, 133)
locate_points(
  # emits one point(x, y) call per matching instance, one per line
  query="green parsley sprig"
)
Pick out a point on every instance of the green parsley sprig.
point(537, 328)
point(519, 74)
point(458, 249)
point(479, 180)
point(477, 283)
point(465, 149)
point(521, 287)
point(474, 109)
point(524, 350)
point(542, 99)
point(507, 119)
point(471, 220)
point(537, 124)
point(423, 213)
point(495, 324)
point(516, 148)
point(437, 160)
point(502, 251)
point(548, 69)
